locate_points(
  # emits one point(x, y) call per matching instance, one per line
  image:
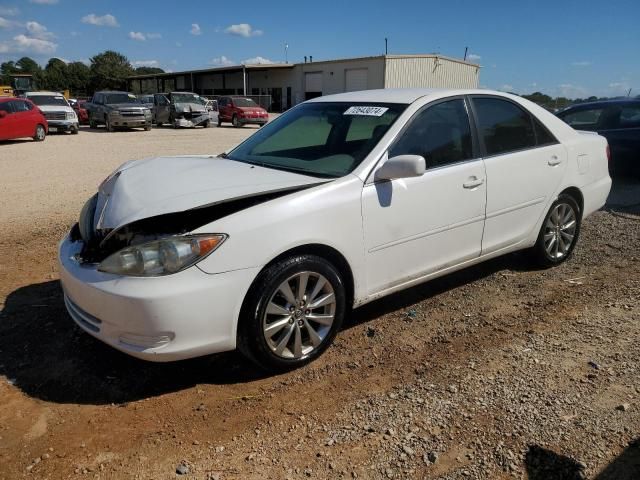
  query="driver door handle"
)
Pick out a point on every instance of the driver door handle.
point(554, 160)
point(473, 182)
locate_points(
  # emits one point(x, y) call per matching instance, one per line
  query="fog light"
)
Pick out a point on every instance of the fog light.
point(142, 341)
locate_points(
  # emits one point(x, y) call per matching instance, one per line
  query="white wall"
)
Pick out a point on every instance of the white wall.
point(430, 72)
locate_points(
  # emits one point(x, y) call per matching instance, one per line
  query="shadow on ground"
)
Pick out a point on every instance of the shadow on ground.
point(543, 464)
point(48, 357)
point(624, 198)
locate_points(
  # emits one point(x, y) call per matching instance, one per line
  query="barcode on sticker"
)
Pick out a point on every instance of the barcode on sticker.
point(368, 111)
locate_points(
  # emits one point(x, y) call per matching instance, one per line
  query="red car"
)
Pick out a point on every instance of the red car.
point(20, 118)
point(241, 111)
point(83, 116)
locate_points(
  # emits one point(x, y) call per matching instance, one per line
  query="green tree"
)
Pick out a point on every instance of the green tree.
point(79, 75)
point(55, 76)
point(148, 70)
point(109, 70)
point(28, 65)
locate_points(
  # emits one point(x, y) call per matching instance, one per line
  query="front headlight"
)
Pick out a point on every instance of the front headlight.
point(162, 257)
point(71, 116)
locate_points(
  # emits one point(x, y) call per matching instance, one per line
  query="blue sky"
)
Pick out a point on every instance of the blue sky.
point(562, 47)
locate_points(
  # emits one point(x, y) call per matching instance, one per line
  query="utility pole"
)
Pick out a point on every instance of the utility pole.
point(466, 49)
point(286, 53)
point(386, 46)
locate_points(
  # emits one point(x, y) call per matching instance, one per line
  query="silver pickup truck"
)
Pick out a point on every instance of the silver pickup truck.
point(117, 110)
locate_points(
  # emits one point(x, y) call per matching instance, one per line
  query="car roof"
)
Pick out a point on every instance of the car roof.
point(402, 95)
point(36, 94)
point(603, 103)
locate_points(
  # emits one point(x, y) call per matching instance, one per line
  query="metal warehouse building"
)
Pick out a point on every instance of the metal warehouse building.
point(288, 84)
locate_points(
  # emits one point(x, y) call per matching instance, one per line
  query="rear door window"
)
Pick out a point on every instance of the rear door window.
point(6, 107)
point(20, 106)
point(504, 126)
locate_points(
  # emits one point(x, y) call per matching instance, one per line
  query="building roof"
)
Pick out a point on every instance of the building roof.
point(270, 66)
point(230, 68)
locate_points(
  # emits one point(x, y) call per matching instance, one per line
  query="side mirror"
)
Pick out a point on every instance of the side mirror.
point(3, 114)
point(401, 166)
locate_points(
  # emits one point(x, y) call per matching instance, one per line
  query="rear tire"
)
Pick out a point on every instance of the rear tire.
point(219, 122)
point(92, 123)
point(559, 232)
point(292, 313)
point(40, 133)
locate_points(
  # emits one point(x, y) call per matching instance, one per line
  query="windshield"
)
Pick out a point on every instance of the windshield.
point(113, 98)
point(320, 139)
point(186, 98)
point(57, 100)
point(244, 102)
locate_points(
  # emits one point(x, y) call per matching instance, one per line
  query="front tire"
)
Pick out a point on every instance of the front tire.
point(559, 232)
point(107, 123)
point(235, 122)
point(292, 313)
point(40, 133)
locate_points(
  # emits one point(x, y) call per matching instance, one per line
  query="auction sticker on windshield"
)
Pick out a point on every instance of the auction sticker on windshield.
point(368, 111)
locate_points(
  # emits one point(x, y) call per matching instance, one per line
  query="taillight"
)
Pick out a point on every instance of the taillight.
point(608, 153)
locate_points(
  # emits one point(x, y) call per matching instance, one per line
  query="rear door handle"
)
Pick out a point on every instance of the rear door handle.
point(473, 182)
point(554, 160)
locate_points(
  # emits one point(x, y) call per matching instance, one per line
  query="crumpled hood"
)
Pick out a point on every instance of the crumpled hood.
point(156, 186)
point(189, 107)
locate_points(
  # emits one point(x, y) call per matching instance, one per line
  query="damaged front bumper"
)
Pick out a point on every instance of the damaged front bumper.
point(184, 315)
point(192, 120)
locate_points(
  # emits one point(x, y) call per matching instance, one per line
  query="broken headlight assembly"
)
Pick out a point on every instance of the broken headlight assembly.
point(162, 257)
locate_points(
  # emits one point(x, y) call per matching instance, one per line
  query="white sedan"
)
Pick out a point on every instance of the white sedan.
point(342, 200)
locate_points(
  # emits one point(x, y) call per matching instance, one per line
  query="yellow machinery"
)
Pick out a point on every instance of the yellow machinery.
point(6, 91)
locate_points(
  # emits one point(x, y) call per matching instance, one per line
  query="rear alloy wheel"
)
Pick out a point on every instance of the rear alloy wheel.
point(292, 313)
point(40, 134)
point(559, 232)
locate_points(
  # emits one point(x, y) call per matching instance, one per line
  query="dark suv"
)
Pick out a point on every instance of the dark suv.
point(616, 120)
point(241, 111)
point(117, 109)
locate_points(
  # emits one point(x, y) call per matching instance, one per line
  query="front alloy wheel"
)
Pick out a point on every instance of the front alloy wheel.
point(299, 315)
point(292, 312)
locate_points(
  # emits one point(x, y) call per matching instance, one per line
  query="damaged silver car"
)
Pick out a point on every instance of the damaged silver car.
point(187, 109)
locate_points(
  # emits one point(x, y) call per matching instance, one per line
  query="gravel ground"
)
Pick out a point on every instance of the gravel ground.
point(499, 371)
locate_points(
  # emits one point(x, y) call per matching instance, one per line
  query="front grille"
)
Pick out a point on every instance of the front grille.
point(55, 115)
point(82, 318)
point(131, 113)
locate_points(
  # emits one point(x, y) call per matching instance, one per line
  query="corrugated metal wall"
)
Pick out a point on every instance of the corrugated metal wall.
point(430, 72)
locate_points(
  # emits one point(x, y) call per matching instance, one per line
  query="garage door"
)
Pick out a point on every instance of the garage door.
point(356, 79)
point(313, 82)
